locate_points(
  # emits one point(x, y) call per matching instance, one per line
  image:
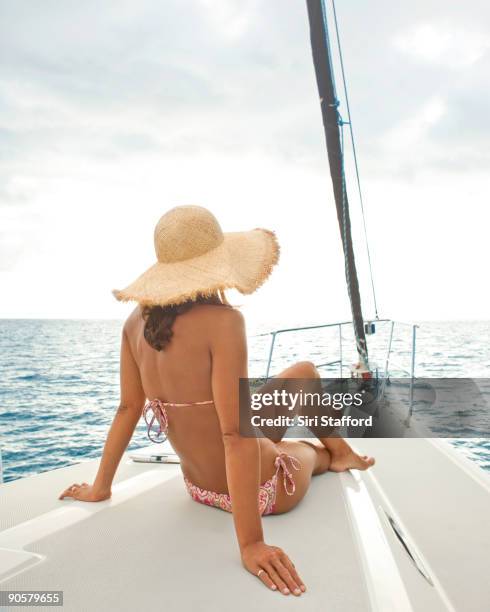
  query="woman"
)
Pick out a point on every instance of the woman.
point(185, 349)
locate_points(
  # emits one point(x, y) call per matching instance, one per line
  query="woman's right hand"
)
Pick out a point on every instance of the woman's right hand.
point(85, 492)
point(274, 568)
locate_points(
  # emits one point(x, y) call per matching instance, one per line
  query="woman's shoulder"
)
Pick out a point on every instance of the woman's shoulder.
point(223, 328)
point(222, 315)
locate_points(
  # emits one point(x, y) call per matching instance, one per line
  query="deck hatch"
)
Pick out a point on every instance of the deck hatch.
point(398, 531)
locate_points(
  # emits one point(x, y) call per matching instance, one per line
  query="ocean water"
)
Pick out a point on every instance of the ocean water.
point(59, 379)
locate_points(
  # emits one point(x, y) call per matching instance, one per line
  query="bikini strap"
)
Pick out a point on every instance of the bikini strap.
point(188, 403)
point(157, 408)
point(288, 479)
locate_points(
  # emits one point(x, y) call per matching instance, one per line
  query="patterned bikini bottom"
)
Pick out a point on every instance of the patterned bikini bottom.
point(267, 490)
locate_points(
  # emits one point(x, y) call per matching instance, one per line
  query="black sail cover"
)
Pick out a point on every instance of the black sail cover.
point(331, 121)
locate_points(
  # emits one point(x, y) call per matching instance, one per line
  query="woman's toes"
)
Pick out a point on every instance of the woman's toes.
point(368, 461)
point(351, 460)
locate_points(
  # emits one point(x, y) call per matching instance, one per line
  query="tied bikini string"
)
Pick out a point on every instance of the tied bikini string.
point(288, 480)
point(155, 411)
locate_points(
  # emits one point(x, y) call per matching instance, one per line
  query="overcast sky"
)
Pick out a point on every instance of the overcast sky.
point(112, 112)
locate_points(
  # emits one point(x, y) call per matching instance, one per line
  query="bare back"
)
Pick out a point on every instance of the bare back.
point(182, 373)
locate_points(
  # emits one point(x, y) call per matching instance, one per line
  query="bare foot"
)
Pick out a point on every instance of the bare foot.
point(349, 460)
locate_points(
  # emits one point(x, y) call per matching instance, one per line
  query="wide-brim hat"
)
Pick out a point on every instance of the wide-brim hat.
point(196, 258)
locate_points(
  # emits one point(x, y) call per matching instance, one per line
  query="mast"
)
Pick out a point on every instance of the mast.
point(332, 123)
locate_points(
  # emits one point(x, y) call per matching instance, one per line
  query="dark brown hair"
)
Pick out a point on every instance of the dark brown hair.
point(159, 320)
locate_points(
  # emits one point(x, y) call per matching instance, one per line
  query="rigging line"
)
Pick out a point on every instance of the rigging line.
point(344, 81)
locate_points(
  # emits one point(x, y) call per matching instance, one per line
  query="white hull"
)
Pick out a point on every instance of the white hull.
point(151, 547)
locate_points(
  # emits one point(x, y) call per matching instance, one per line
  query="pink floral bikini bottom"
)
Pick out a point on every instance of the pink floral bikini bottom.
point(267, 490)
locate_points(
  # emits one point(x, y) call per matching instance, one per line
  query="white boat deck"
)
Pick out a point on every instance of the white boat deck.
point(151, 547)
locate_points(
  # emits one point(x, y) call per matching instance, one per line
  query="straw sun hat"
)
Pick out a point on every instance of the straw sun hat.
point(196, 258)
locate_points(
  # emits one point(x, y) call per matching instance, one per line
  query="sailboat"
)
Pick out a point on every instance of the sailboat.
point(412, 534)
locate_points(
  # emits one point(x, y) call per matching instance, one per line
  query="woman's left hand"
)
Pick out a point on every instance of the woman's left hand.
point(85, 492)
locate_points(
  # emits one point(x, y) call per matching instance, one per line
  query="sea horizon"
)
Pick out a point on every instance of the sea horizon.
point(66, 387)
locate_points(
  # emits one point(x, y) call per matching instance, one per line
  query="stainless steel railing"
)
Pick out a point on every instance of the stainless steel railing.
point(388, 361)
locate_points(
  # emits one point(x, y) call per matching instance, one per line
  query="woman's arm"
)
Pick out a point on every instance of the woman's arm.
point(229, 364)
point(120, 433)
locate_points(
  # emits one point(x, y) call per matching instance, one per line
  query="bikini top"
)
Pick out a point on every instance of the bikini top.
point(154, 412)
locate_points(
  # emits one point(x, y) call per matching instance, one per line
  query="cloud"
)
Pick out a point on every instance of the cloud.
point(231, 19)
point(413, 131)
point(14, 191)
point(447, 45)
point(178, 80)
point(111, 111)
